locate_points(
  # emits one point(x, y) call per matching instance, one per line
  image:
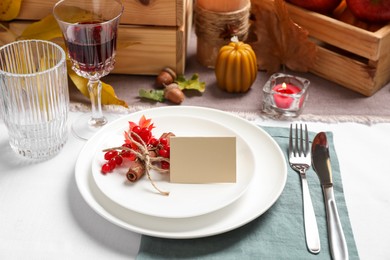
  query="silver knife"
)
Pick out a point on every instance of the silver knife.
point(321, 165)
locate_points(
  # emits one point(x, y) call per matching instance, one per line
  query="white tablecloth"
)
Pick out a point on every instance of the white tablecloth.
point(43, 215)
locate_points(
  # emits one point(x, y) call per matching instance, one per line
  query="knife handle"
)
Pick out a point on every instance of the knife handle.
point(338, 245)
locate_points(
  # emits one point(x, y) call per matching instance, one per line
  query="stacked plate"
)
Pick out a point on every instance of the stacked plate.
point(191, 210)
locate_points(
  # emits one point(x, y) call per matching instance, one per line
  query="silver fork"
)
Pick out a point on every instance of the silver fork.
point(300, 161)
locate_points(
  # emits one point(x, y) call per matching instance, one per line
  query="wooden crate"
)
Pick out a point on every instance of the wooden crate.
point(160, 30)
point(350, 56)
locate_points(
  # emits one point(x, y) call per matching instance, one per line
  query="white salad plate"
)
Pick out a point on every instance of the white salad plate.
point(184, 200)
point(264, 188)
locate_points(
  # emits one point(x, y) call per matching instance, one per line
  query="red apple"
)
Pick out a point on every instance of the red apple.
point(320, 6)
point(348, 17)
point(376, 11)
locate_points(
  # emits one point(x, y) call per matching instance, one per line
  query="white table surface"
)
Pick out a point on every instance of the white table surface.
point(43, 216)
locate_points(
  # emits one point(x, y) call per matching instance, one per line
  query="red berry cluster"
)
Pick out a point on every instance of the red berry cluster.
point(143, 130)
point(163, 149)
point(115, 158)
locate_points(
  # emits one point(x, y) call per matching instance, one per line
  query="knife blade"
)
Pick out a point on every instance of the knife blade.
point(322, 166)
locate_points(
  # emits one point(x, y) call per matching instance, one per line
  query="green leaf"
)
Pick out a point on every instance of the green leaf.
point(193, 83)
point(153, 94)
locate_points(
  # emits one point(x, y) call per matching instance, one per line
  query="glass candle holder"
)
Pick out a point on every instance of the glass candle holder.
point(285, 95)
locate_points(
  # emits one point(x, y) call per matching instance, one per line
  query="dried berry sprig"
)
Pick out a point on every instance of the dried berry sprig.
point(145, 157)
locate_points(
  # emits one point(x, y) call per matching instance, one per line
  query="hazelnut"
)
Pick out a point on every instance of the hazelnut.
point(173, 93)
point(166, 77)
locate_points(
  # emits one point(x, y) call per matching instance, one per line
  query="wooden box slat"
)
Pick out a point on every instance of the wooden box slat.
point(158, 12)
point(342, 72)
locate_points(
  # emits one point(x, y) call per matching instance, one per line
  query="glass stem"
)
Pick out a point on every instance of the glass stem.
point(95, 94)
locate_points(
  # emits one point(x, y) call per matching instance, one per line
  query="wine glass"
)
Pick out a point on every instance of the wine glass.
point(89, 28)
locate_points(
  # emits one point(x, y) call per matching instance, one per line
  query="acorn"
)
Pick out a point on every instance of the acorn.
point(166, 77)
point(173, 93)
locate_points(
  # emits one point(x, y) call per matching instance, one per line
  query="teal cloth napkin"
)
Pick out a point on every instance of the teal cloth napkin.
point(277, 234)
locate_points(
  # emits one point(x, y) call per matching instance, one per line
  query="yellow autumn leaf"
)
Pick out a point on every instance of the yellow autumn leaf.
point(9, 9)
point(108, 93)
point(45, 29)
point(48, 29)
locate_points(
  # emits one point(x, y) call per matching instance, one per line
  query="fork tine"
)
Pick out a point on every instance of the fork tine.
point(301, 149)
point(290, 142)
point(296, 148)
point(307, 150)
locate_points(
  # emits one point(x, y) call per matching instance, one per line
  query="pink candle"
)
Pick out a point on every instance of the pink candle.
point(284, 101)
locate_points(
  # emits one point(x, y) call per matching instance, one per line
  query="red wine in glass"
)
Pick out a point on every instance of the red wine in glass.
point(92, 47)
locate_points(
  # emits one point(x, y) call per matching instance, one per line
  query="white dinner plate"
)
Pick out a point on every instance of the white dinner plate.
point(263, 191)
point(184, 200)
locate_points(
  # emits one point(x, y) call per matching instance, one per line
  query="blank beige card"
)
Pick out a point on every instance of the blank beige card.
point(203, 159)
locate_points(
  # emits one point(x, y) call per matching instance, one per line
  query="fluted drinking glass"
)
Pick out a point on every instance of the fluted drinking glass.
point(34, 97)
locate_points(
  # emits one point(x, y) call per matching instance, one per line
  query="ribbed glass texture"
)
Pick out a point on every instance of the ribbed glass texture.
point(34, 97)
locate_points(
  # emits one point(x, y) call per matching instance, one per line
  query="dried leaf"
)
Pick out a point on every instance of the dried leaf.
point(280, 41)
point(45, 29)
point(192, 83)
point(108, 93)
point(152, 94)
point(9, 9)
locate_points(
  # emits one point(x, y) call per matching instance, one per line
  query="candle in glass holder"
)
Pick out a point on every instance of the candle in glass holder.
point(285, 95)
point(282, 94)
